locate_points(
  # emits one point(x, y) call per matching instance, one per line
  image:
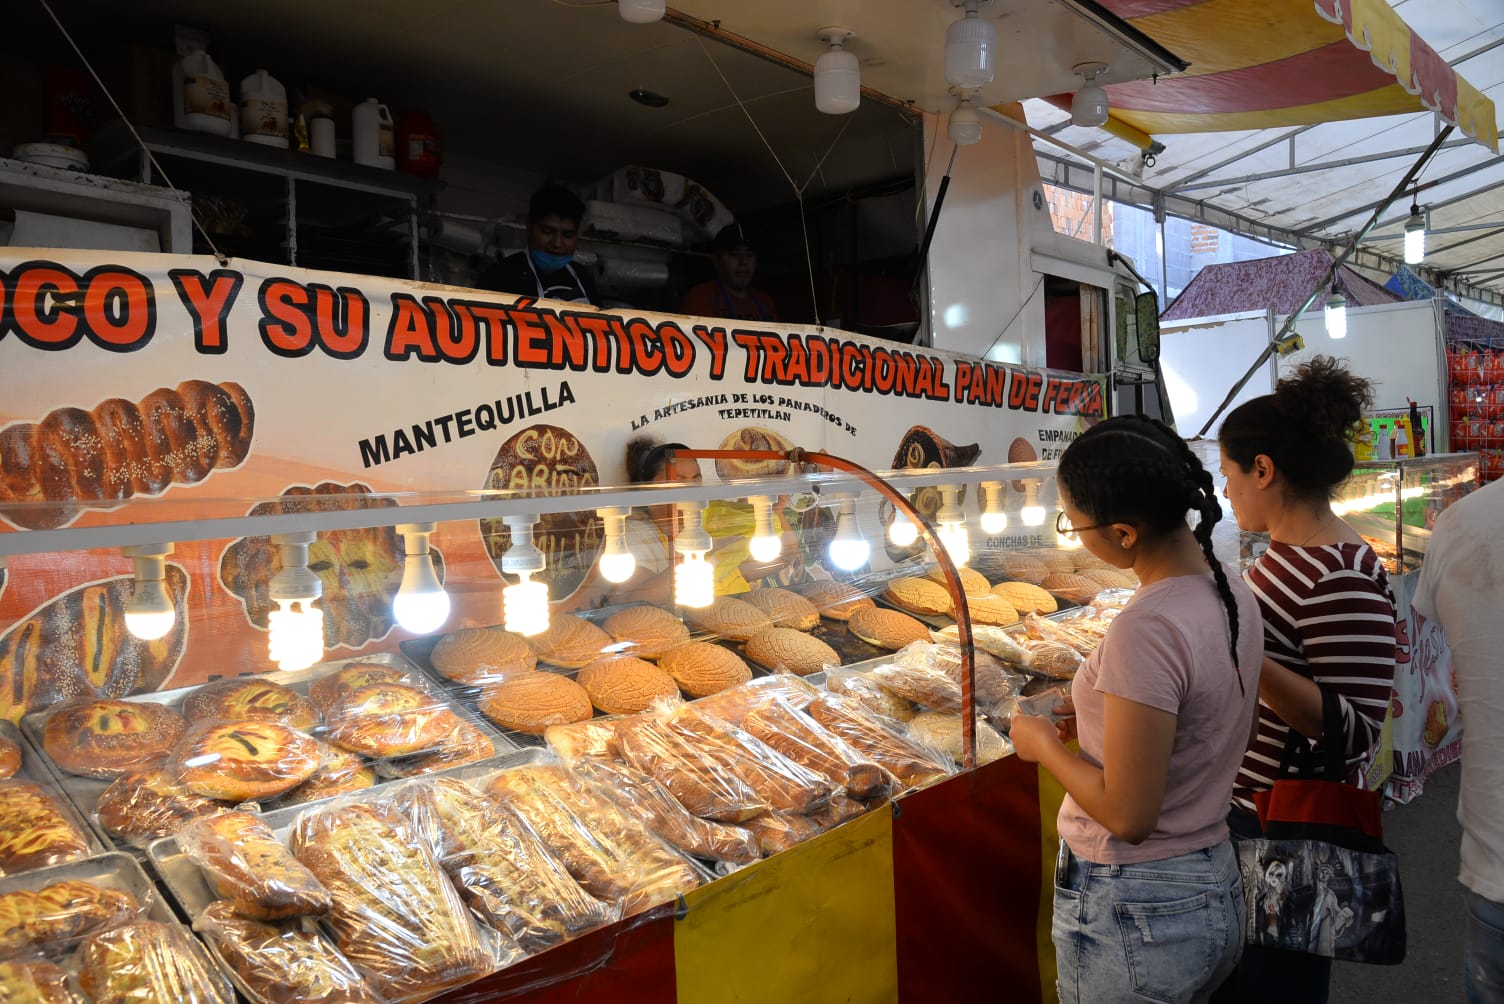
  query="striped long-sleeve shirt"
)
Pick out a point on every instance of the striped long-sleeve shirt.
point(1329, 616)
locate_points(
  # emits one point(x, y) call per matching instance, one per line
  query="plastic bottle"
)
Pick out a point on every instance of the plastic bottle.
point(372, 135)
point(200, 95)
point(417, 144)
point(263, 110)
point(321, 135)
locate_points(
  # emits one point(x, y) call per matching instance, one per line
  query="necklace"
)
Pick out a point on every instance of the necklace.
point(1321, 524)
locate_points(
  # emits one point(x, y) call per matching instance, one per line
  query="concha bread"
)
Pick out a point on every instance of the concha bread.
point(973, 582)
point(836, 600)
point(1072, 586)
point(890, 629)
point(991, 609)
point(729, 617)
point(785, 650)
point(1020, 567)
point(650, 631)
point(941, 730)
point(1082, 559)
point(531, 702)
point(1111, 578)
point(1026, 598)
point(1056, 561)
point(1053, 659)
point(625, 684)
point(701, 668)
point(330, 690)
point(920, 596)
point(570, 642)
point(482, 655)
point(786, 608)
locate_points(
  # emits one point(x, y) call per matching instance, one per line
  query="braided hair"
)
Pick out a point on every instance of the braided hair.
point(1133, 469)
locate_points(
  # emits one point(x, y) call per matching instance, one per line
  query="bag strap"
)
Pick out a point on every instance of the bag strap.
point(1333, 744)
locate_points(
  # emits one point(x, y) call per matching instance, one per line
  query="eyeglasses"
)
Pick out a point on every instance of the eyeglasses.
point(1064, 528)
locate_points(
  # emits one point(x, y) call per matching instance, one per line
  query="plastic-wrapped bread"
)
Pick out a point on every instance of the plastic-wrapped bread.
point(928, 687)
point(991, 681)
point(995, 641)
point(700, 783)
point(942, 731)
point(243, 862)
point(1054, 659)
point(146, 961)
point(500, 865)
point(144, 805)
point(32, 982)
point(49, 919)
point(34, 832)
point(610, 853)
point(648, 801)
point(466, 744)
point(595, 738)
point(864, 687)
point(837, 811)
point(732, 705)
point(282, 963)
point(785, 785)
point(1043, 629)
point(393, 913)
point(798, 738)
point(879, 739)
point(778, 831)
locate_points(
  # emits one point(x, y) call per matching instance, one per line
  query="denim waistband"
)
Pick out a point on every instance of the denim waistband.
point(1209, 864)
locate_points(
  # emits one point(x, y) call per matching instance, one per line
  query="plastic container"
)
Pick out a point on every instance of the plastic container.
point(372, 135)
point(263, 110)
point(417, 145)
point(200, 95)
point(321, 136)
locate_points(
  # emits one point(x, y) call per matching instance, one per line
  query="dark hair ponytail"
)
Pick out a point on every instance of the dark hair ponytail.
point(647, 459)
point(1133, 469)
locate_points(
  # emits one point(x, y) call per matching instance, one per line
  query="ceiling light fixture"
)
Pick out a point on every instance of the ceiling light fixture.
point(149, 614)
point(965, 126)
point(765, 544)
point(694, 577)
point(1089, 106)
point(970, 44)
point(524, 604)
point(295, 639)
point(618, 563)
point(421, 604)
point(1415, 236)
point(1335, 314)
point(848, 549)
point(641, 11)
point(838, 74)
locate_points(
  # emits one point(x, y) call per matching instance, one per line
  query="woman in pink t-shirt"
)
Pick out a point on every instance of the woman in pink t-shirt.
point(1148, 899)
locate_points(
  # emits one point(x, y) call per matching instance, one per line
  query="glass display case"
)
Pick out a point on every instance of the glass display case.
point(1394, 503)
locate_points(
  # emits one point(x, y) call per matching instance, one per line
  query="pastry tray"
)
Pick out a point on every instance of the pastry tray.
point(120, 871)
point(36, 769)
point(85, 791)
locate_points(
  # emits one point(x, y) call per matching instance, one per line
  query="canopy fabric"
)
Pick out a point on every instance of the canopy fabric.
point(1272, 63)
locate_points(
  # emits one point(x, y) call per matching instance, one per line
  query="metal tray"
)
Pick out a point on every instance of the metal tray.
point(36, 768)
point(84, 792)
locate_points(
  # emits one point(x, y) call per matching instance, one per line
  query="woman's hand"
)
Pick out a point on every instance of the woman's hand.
point(1032, 736)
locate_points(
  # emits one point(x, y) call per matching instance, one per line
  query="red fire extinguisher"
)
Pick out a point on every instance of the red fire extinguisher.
point(417, 144)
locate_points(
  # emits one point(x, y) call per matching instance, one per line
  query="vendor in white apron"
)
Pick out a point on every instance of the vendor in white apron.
point(546, 270)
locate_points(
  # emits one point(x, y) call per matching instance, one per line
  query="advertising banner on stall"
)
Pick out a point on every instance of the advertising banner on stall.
point(142, 387)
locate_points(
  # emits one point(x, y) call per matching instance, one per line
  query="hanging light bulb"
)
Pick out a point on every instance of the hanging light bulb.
point(421, 604)
point(965, 126)
point(902, 531)
point(994, 519)
point(1415, 236)
point(1089, 106)
point(641, 11)
point(765, 544)
point(953, 533)
point(838, 74)
point(150, 614)
point(296, 636)
point(524, 604)
point(1335, 313)
point(694, 577)
point(1032, 513)
point(970, 45)
point(848, 549)
point(617, 562)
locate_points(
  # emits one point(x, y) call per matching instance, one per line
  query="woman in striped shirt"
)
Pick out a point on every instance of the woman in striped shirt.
point(1329, 622)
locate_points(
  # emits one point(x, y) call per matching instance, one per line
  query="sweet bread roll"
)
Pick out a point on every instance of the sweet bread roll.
point(390, 719)
point(991, 609)
point(245, 761)
point(926, 687)
point(1053, 659)
point(144, 805)
point(1071, 586)
point(531, 702)
point(753, 437)
point(330, 690)
point(49, 918)
point(783, 784)
point(1019, 567)
point(34, 832)
point(687, 771)
point(595, 738)
point(650, 801)
point(941, 730)
point(106, 738)
point(340, 773)
point(776, 832)
point(885, 743)
point(1026, 598)
point(647, 631)
point(1111, 578)
point(786, 608)
point(798, 738)
point(973, 583)
point(784, 650)
point(10, 758)
point(833, 599)
point(890, 629)
point(729, 617)
point(34, 983)
point(245, 864)
point(919, 596)
point(570, 642)
point(864, 688)
point(481, 655)
point(466, 744)
point(624, 685)
point(244, 698)
point(147, 961)
point(701, 668)
point(282, 963)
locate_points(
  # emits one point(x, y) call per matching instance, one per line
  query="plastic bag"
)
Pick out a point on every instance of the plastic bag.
point(143, 805)
point(394, 913)
point(991, 680)
point(882, 740)
point(342, 773)
point(595, 737)
point(34, 981)
point(52, 918)
point(1054, 659)
point(927, 687)
point(662, 813)
point(995, 641)
point(383, 720)
point(282, 963)
point(1082, 632)
point(699, 782)
point(941, 730)
point(801, 740)
point(36, 833)
point(733, 704)
point(778, 831)
point(244, 863)
point(466, 744)
point(244, 761)
point(783, 784)
point(145, 962)
point(865, 688)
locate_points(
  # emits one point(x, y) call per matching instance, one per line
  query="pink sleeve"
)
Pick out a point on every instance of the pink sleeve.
point(1146, 659)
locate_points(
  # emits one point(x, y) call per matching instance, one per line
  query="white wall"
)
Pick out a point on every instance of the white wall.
point(1203, 358)
point(1396, 345)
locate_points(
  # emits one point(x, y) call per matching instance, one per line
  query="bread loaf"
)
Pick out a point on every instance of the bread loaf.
point(34, 832)
point(647, 631)
point(52, 917)
point(890, 629)
point(1018, 566)
point(243, 698)
point(701, 668)
point(244, 863)
point(245, 761)
point(833, 599)
point(881, 741)
point(783, 784)
point(282, 963)
point(340, 773)
point(991, 682)
point(864, 688)
point(107, 738)
point(10, 758)
point(798, 738)
point(646, 799)
point(778, 831)
point(34, 983)
point(327, 691)
point(700, 783)
point(390, 719)
point(919, 596)
point(930, 688)
point(624, 685)
point(1026, 598)
point(570, 642)
point(143, 805)
point(729, 617)
point(482, 655)
point(733, 705)
point(989, 640)
point(1080, 633)
point(941, 730)
point(533, 702)
point(784, 650)
point(786, 608)
point(148, 961)
point(1052, 659)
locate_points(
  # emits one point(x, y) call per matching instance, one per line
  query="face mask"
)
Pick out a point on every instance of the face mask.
point(545, 262)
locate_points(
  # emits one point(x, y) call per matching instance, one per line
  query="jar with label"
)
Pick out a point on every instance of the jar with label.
point(371, 135)
point(263, 110)
point(200, 95)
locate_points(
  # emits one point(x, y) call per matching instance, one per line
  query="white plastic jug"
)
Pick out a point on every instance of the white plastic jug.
point(200, 95)
point(371, 134)
point(263, 110)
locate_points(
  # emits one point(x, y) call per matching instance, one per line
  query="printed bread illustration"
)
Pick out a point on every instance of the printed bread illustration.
point(925, 449)
point(753, 438)
point(360, 569)
point(77, 646)
point(121, 449)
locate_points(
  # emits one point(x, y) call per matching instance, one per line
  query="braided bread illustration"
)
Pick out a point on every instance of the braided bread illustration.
point(121, 449)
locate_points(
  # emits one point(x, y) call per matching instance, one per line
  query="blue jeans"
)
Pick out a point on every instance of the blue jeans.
point(1483, 949)
point(1168, 930)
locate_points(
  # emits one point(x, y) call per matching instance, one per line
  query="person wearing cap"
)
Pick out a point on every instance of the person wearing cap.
point(546, 270)
point(730, 293)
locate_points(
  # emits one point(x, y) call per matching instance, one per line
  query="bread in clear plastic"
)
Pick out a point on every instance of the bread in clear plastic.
point(393, 912)
point(700, 782)
point(34, 981)
point(576, 740)
point(661, 812)
point(243, 862)
point(733, 704)
point(478, 656)
point(864, 687)
point(341, 773)
point(143, 805)
point(466, 744)
point(243, 698)
point(34, 829)
point(389, 720)
point(928, 688)
point(994, 641)
point(783, 784)
point(991, 680)
point(52, 918)
point(801, 740)
point(244, 761)
point(144, 962)
point(1054, 659)
point(282, 963)
point(941, 730)
point(105, 738)
point(882, 740)
point(779, 831)
point(329, 690)
point(1083, 632)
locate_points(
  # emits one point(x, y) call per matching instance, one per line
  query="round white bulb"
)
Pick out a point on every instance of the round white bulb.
point(849, 555)
point(525, 607)
point(150, 626)
point(994, 523)
point(964, 127)
point(765, 548)
point(296, 637)
point(1032, 515)
point(421, 612)
point(902, 531)
point(694, 581)
point(956, 540)
point(618, 567)
point(970, 43)
point(641, 11)
point(149, 615)
point(838, 82)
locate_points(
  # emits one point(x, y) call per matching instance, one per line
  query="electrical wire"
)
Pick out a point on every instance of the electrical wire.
point(181, 196)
